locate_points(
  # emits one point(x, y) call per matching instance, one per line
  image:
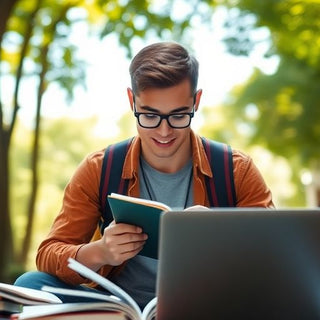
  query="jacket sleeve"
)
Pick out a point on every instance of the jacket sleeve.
point(76, 223)
point(251, 189)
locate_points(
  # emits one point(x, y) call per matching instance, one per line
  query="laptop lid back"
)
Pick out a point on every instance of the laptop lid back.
point(239, 263)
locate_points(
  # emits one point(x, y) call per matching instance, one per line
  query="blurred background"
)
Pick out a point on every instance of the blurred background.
point(63, 79)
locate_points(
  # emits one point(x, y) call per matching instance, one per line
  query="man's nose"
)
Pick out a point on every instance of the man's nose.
point(164, 127)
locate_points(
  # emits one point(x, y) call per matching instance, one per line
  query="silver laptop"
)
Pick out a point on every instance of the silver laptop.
point(239, 264)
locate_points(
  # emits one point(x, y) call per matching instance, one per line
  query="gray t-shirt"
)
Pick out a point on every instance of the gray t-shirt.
point(138, 278)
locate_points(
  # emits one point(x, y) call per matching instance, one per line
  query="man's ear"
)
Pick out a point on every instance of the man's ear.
point(197, 98)
point(131, 97)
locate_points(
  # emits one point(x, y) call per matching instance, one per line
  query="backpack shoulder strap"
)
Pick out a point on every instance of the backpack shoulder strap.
point(111, 177)
point(220, 188)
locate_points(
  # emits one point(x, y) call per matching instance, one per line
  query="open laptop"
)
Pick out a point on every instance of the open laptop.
point(239, 264)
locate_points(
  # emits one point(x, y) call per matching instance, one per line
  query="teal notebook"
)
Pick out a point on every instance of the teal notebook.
point(139, 212)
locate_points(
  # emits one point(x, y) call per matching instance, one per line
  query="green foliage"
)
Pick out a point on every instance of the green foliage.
point(286, 104)
point(279, 111)
point(288, 113)
point(293, 26)
point(64, 143)
point(280, 173)
point(127, 125)
point(137, 19)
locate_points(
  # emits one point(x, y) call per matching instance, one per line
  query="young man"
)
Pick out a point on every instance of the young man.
point(165, 162)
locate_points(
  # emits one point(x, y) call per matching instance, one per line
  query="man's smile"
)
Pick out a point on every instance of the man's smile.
point(162, 142)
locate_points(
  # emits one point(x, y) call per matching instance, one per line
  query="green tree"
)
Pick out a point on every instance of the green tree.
point(281, 110)
point(28, 40)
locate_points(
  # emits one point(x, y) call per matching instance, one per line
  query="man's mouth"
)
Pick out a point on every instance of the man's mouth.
point(163, 142)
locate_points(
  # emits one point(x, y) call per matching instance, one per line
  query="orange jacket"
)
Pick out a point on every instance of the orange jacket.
point(77, 221)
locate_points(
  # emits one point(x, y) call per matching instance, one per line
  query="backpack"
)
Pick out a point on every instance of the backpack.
point(221, 190)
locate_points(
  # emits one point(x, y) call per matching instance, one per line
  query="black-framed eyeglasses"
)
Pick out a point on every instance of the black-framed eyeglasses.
point(151, 120)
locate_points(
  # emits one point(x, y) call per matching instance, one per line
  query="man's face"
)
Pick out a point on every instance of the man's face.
point(165, 148)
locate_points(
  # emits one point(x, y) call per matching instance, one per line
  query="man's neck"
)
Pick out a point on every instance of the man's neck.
point(168, 164)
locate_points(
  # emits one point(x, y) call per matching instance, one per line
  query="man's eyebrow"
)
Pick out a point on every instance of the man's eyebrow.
point(154, 110)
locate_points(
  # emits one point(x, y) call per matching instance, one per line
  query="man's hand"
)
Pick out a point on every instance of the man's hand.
point(121, 242)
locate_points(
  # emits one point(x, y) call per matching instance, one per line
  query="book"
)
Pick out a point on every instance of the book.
point(26, 296)
point(116, 305)
point(8, 307)
point(70, 311)
point(140, 212)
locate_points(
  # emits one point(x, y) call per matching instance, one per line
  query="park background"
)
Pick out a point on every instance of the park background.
point(63, 79)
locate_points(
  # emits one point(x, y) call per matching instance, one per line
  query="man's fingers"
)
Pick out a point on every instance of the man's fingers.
point(133, 247)
point(120, 228)
point(131, 238)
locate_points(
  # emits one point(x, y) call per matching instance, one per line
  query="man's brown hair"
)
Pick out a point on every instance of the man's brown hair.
point(163, 65)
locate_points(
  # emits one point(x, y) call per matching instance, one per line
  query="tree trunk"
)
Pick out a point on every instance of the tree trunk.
point(6, 241)
point(36, 145)
point(35, 159)
point(21, 258)
point(6, 7)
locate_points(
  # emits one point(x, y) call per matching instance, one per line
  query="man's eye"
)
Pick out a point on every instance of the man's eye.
point(177, 116)
point(150, 116)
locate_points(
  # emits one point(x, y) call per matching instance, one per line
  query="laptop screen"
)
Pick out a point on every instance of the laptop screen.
point(239, 263)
